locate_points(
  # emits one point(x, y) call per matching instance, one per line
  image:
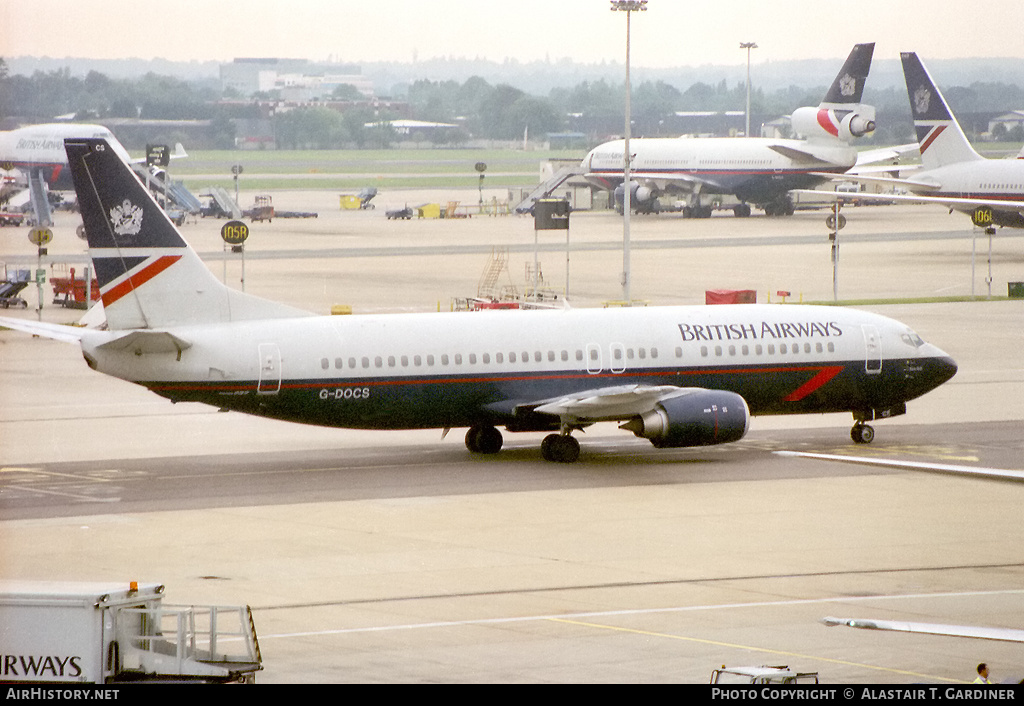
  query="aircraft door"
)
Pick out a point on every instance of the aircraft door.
point(617, 363)
point(872, 349)
point(270, 369)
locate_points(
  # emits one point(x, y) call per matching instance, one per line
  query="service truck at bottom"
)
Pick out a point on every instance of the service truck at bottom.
point(102, 633)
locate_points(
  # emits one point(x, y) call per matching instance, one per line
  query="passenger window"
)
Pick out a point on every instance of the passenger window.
point(472, 358)
point(391, 361)
point(430, 360)
point(565, 356)
point(512, 357)
point(654, 352)
point(405, 361)
point(551, 356)
point(458, 359)
point(417, 361)
point(487, 357)
point(324, 363)
point(499, 357)
point(366, 362)
point(378, 362)
point(338, 363)
point(352, 363)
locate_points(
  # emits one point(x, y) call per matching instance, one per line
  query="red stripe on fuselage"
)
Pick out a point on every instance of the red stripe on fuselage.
point(138, 279)
point(823, 376)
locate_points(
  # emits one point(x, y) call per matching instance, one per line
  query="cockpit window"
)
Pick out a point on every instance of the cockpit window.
point(912, 339)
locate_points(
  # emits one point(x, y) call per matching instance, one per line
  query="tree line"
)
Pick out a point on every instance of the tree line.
point(482, 110)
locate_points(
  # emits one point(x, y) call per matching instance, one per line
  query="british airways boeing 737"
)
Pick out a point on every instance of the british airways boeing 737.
point(678, 376)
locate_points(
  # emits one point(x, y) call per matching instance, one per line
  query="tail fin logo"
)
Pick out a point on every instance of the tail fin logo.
point(126, 219)
point(848, 85)
point(922, 99)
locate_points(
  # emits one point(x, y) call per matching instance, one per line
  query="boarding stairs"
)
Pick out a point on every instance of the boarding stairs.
point(225, 202)
point(545, 189)
point(40, 200)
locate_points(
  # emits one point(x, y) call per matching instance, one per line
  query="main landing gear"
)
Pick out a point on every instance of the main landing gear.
point(558, 448)
point(862, 433)
point(483, 440)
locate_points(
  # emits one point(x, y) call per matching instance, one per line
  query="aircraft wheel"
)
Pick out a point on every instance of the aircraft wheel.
point(742, 210)
point(862, 434)
point(483, 440)
point(560, 448)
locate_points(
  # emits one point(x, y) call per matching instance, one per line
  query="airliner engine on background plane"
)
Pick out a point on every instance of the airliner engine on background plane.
point(756, 170)
point(952, 173)
point(678, 376)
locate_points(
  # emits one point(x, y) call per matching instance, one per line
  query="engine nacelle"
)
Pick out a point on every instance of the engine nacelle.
point(701, 418)
point(838, 124)
point(638, 193)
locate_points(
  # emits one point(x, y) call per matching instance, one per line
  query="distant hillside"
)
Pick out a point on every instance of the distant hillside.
point(539, 78)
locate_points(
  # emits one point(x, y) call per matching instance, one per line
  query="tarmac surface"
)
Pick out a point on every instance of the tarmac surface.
point(399, 557)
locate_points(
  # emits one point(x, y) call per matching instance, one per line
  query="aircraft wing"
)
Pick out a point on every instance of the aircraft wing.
point(972, 631)
point(884, 154)
point(141, 342)
point(606, 403)
point(951, 201)
point(669, 181)
point(58, 332)
point(800, 155)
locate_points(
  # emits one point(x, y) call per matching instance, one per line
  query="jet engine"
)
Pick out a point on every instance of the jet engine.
point(700, 418)
point(641, 199)
point(841, 124)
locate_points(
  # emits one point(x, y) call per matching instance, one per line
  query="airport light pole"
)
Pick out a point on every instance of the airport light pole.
point(748, 46)
point(629, 7)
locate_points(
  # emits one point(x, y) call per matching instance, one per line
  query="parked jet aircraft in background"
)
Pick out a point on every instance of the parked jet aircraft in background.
point(952, 173)
point(757, 171)
point(678, 376)
point(37, 153)
point(38, 150)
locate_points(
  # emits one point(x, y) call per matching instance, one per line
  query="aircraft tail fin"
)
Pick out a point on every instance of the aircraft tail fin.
point(149, 276)
point(840, 115)
point(848, 87)
point(939, 136)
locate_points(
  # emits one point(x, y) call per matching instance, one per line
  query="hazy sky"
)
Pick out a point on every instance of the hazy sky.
point(669, 33)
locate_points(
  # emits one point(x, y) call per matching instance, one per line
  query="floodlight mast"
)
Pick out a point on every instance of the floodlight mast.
point(748, 46)
point(629, 7)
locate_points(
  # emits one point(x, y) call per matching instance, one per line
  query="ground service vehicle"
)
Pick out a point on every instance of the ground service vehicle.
point(97, 633)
